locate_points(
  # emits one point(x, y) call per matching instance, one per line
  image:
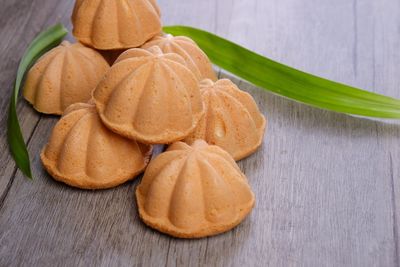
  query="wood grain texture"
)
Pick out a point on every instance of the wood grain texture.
point(327, 185)
point(20, 22)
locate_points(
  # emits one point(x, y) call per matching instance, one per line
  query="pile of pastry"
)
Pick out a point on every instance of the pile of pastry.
point(159, 89)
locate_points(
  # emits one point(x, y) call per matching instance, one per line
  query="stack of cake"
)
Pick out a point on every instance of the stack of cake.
point(160, 89)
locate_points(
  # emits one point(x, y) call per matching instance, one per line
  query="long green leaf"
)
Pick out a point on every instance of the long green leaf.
point(289, 82)
point(40, 45)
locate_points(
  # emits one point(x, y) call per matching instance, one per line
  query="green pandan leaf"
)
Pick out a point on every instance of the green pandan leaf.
point(40, 45)
point(289, 82)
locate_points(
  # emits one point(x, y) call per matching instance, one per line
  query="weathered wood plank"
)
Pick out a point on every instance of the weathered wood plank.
point(98, 228)
point(327, 185)
point(20, 21)
point(385, 42)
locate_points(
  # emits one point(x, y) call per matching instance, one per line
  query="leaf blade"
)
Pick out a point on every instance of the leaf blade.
point(40, 45)
point(289, 82)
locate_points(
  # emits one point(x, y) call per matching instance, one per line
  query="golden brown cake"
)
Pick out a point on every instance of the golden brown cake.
point(65, 75)
point(194, 191)
point(109, 25)
point(151, 97)
point(83, 153)
point(232, 120)
point(196, 60)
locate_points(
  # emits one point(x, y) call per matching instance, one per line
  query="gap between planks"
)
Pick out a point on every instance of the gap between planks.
point(50, 20)
point(12, 178)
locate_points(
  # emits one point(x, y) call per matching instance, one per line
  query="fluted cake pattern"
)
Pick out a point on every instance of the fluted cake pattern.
point(196, 60)
point(194, 191)
point(82, 152)
point(109, 25)
point(232, 119)
point(65, 75)
point(150, 97)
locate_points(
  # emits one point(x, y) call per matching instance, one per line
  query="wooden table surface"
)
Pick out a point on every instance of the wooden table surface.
point(327, 185)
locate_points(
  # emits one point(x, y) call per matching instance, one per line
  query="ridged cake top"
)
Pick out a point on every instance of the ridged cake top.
point(194, 191)
point(65, 75)
point(82, 152)
point(150, 96)
point(232, 119)
point(122, 24)
point(196, 60)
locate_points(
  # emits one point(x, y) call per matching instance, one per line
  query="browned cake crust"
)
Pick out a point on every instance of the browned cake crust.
point(194, 191)
point(66, 75)
point(150, 96)
point(83, 153)
point(232, 119)
point(97, 23)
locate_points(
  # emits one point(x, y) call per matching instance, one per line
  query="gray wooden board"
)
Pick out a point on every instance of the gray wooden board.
point(327, 185)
